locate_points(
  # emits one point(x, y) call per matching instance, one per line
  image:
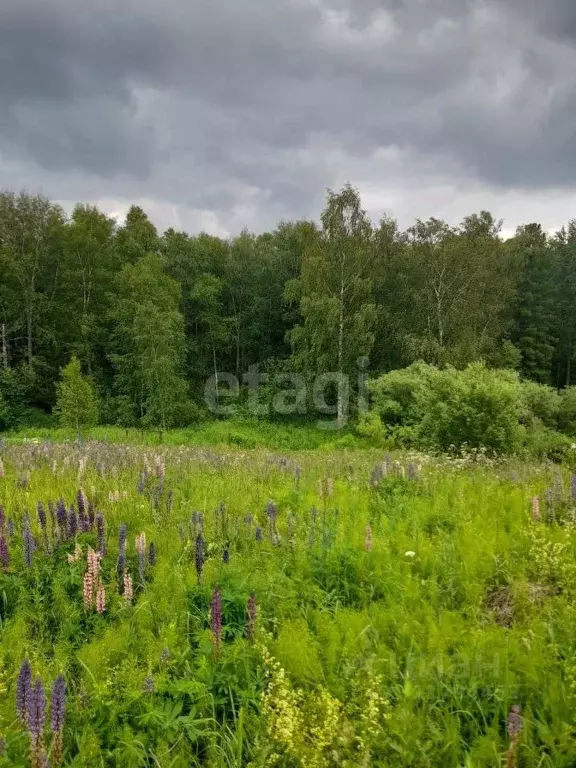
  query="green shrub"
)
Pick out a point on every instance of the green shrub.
point(566, 416)
point(540, 402)
point(477, 407)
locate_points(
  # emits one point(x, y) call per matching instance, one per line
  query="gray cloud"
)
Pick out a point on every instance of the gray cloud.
point(218, 110)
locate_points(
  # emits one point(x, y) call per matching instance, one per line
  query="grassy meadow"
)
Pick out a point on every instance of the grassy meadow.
point(232, 605)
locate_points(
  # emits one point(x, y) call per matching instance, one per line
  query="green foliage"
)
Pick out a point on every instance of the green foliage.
point(77, 402)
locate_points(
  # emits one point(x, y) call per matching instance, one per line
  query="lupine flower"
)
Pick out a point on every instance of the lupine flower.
point(88, 589)
point(93, 560)
point(140, 546)
point(165, 655)
point(101, 598)
point(199, 556)
point(216, 618)
point(72, 523)
point(226, 553)
point(128, 587)
point(28, 544)
point(57, 715)
point(148, 685)
point(121, 564)
point(100, 531)
point(141, 485)
point(159, 467)
point(249, 519)
point(252, 610)
point(91, 515)
point(35, 722)
point(4, 553)
point(536, 509)
point(412, 471)
point(152, 554)
point(368, 538)
point(52, 513)
point(514, 728)
point(41, 515)
point(272, 512)
point(23, 688)
point(82, 502)
point(259, 534)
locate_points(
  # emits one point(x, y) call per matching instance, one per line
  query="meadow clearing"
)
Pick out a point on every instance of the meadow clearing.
point(222, 606)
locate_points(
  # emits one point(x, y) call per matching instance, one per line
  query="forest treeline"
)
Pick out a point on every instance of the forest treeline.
point(151, 316)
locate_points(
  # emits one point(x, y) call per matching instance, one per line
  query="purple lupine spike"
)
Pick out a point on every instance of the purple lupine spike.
point(36, 710)
point(61, 516)
point(252, 609)
point(226, 553)
point(91, 515)
point(259, 534)
point(148, 685)
point(28, 545)
point(216, 618)
point(152, 554)
point(100, 532)
point(72, 523)
point(58, 705)
point(4, 553)
point(199, 556)
point(52, 513)
point(81, 500)
point(121, 564)
point(23, 688)
point(272, 512)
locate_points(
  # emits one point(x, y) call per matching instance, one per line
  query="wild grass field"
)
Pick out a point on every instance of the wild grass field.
point(227, 606)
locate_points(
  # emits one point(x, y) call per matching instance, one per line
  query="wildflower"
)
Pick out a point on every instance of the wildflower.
point(141, 483)
point(272, 512)
point(82, 503)
point(259, 534)
point(368, 538)
point(165, 655)
point(410, 553)
point(152, 554)
point(216, 618)
point(121, 564)
point(101, 598)
point(4, 553)
point(57, 715)
point(23, 687)
point(199, 556)
point(88, 589)
point(140, 546)
point(226, 553)
point(252, 609)
point(249, 519)
point(100, 532)
point(412, 471)
point(148, 685)
point(514, 728)
point(536, 509)
point(35, 722)
point(72, 523)
point(28, 544)
point(41, 515)
point(128, 587)
point(329, 486)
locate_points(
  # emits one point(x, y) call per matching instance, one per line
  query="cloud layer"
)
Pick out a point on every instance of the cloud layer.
point(216, 114)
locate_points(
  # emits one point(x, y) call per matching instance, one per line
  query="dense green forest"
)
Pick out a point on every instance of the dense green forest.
point(152, 316)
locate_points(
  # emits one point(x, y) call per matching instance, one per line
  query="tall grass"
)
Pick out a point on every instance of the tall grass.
point(408, 650)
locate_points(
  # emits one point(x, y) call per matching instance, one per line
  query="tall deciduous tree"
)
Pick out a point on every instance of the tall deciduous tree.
point(77, 402)
point(335, 292)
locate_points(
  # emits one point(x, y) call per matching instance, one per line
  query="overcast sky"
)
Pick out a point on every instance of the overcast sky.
point(220, 114)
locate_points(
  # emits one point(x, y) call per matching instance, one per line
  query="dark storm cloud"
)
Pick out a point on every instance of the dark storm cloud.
point(217, 104)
